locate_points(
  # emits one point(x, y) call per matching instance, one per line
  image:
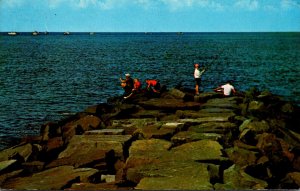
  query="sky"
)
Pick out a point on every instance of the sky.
point(150, 15)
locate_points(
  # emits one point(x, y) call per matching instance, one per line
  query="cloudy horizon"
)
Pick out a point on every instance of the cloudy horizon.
point(150, 15)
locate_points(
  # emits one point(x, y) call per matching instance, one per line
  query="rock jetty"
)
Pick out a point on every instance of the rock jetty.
point(172, 141)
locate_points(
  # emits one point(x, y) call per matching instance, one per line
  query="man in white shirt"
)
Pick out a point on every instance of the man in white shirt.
point(227, 89)
point(197, 76)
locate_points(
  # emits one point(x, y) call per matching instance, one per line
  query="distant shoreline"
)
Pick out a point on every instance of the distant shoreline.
point(5, 33)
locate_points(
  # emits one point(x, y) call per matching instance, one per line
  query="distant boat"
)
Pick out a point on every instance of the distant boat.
point(46, 32)
point(35, 33)
point(179, 33)
point(66, 33)
point(12, 33)
point(92, 33)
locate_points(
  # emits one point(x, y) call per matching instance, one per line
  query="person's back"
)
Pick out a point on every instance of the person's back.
point(228, 89)
point(153, 85)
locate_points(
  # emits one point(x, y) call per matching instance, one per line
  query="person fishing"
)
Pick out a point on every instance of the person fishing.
point(136, 88)
point(127, 84)
point(197, 77)
point(153, 86)
point(227, 89)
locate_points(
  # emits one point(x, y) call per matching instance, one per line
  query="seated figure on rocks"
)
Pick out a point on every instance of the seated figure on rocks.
point(227, 89)
point(136, 88)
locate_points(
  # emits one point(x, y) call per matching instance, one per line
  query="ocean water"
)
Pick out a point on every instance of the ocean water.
point(45, 77)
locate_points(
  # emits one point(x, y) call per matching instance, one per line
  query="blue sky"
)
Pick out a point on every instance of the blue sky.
point(150, 15)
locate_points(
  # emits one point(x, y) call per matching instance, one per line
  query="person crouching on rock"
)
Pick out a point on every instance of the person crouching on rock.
point(153, 86)
point(227, 89)
point(136, 88)
point(127, 84)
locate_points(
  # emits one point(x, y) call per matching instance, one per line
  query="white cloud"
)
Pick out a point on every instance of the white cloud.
point(55, 3)
point(11, 3)
point(179, 4)
point(247, 4)
point(172, 5)
point(288, 4)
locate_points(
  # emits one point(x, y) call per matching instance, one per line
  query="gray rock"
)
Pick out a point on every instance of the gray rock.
point(4, 165)
point(169, 104)
point(236, 179)
point(203, 150)
point(52, 179)
point(190, 136)
point(149, 151)
point(213, 127)
point(203, 97)
point(198, 121)
point(255, 127)
point(33, 167)
point(292, 179)
point(79, 126)
point(108, 178)
point(9, 175)
point(105, 132)
point(241, 157)
point(22, 151)
point(83, 143)
point(171, 175)
point(155, 131)
point(203, 113)
point(176, 93)
point(224, 103)
point(88, 157)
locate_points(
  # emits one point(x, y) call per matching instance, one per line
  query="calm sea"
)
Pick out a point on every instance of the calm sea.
point(45, 77)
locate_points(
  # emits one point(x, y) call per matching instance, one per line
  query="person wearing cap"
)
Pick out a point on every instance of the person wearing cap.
point(127, 84)
point(227, 89)
point(197, 76)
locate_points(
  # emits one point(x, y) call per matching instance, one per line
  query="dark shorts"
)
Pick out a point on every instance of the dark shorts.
point(198, 81)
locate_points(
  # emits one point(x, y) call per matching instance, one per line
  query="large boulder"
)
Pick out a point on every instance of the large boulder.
point(236, 179)
point(20, 152)
point(291, 181)
point(105, 132)
point(89, 157)
point(6, 176)
point(241, 157)
point(171, 175)
point(159, 130)
point(79, 126)
point(201, 120)
point(169, 104)
point(213, 127)
point(143, 152)
point(52, 179)
point(225, 103)
point(50, 130)
point(190, 136)
point(203, 97)
point(82, 144)
point(203, 150)
point(6, 165)
point(98, 186)
point(203, 113)
point(130, 125)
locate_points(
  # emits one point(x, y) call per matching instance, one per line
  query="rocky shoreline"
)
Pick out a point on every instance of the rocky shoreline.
point(174, 141)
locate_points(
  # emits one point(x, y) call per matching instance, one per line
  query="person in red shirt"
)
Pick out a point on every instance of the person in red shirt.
point(136, 88)
point(153, 85)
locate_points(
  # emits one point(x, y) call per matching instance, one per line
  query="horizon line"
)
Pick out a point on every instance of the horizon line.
point(152, 31)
